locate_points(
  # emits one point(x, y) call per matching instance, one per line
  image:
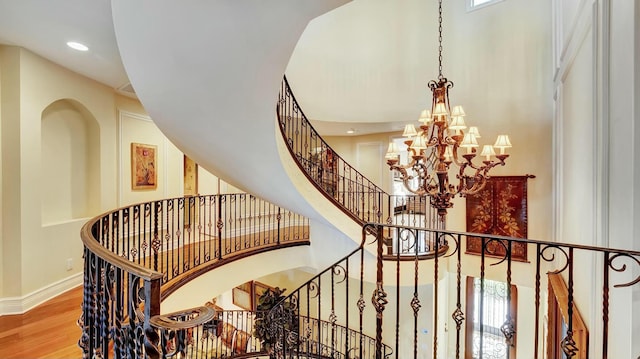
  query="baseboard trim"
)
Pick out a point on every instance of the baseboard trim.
point(20, 305)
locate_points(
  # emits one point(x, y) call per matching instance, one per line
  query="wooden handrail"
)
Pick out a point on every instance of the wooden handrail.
point(130, 252)
point(92, 245)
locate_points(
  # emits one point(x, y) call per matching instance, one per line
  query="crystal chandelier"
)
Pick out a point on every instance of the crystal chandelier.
point(439, 143)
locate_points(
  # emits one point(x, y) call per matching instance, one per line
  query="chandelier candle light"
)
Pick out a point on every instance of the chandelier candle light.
point(438, 143)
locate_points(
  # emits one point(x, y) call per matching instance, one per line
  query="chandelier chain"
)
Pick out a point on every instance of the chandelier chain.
point(440, 40)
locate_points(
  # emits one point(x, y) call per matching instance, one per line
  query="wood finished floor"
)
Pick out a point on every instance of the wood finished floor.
point(47, 331)
point(50, 330)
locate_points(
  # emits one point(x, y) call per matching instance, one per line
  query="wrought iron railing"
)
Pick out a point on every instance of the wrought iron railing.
point(401, 304)
point(207, 333)
point(219, 334)
point(330, 340)
point(350, 190)
point(131, 253)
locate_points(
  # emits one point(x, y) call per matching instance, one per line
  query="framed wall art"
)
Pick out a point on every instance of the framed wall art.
point(190, 176)
point(242, 297)
point(500, 208)
point(144, 171)
point(247, 295)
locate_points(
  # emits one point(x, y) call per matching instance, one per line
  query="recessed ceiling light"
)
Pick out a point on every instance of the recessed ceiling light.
point(351, 130)
point(77, 46)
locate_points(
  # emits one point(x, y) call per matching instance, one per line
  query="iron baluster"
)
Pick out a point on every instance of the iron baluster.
point(435, 296)
point(480, 310)
point(415, 301)
point(537, 302)
point(605, 307)
point(508, 328)
point(568, 344)
point(458, 316)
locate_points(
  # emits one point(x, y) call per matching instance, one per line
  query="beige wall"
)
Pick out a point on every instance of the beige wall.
point(36, 84)
point(359, 152)
point(5, 61)
point(70, 160)
point(40, 224)
point(10, 179)
point(136, 128)
point(1, 219)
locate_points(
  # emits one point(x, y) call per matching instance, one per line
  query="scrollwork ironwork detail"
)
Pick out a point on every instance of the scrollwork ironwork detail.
point(623, 267)
point(339, 270)
point(361, 304)
point(508, 329)
point(553, 257)
point(379, 299)
point(415, 304)
point(568, 345)
point(314, 290)
point(458, 318)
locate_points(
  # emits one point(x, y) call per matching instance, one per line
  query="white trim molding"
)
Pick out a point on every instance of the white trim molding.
point(20, 305)
point(473, 5)
point(119, 154)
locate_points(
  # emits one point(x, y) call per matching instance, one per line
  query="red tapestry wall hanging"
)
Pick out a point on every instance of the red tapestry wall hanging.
point(500, 208)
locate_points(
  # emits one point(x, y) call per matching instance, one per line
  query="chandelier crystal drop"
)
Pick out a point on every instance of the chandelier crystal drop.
point(441, 141)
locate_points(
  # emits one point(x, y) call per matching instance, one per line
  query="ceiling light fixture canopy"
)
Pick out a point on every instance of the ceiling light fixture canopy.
point(435, 147)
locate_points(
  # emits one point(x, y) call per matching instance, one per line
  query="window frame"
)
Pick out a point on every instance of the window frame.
point(471, 6)
point(469, 325)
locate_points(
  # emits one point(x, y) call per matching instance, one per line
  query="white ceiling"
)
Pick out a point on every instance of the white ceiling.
point(366, 65)
point(44, 27)
point(362, 66)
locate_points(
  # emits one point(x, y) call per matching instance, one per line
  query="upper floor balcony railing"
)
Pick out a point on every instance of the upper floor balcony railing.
point(468, 306)
point(136, 255)
point(353, 193)
point(362, 306)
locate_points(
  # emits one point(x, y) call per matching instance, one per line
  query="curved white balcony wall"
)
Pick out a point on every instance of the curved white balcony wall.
point(221, 115)
point(328, 245)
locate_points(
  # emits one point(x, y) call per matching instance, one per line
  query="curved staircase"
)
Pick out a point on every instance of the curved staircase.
point(222, 116)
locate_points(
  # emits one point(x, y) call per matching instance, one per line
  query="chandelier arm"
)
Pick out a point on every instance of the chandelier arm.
point(433, 142)
point(479, 182)
point(451, 141)
point(487, 165)
point(482, 175)
point(468, 162)
point(462, 185)
point(402, 169)
point(419, 191)
point(406, 178)
point(456, 159)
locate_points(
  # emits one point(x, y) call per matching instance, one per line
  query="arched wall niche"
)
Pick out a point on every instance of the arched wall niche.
point(70, 145)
